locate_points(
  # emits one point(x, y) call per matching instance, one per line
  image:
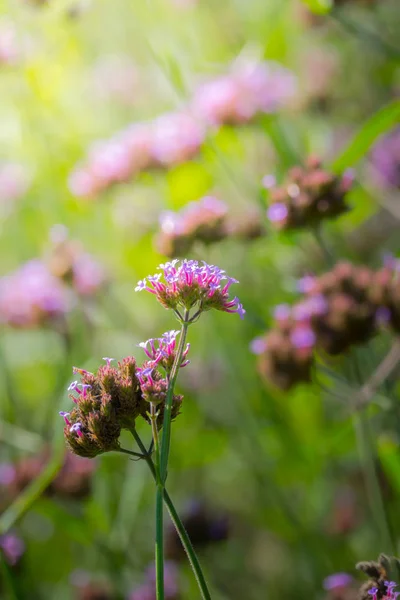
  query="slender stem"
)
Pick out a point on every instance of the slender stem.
point(137, 454)
point(166, 431)
point(159, 542)
point(183, 535)
point(159, 549)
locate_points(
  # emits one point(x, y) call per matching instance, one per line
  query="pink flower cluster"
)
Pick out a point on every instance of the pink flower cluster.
point(189, 284)
point(247, 90)
point(43, 290)
point(168, 140)
point(161, 351)
point(250, 88)
point(31, 295)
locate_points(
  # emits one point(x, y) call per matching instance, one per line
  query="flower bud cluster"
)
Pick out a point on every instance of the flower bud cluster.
point(188, 284)
point(105, 403)
point(309, 195)
point(202, 221)
point(114, 397)
point(205, 221)
point(343, 307)
point(379, 587)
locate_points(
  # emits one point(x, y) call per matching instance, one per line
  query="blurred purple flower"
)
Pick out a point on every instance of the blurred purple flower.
point(7, 474)
point(337, 580)
point(13, 548)
point(277, 213)
point(303, 337)
point(258, 345)
point(385, 159)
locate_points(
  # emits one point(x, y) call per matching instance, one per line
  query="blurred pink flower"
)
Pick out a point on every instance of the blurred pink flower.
point(9, 48)
point(250, 88)
point(88, 275)
point(31, 295)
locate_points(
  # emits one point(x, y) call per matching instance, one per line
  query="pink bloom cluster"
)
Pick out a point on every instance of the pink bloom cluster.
point(168, 140)
point(247, 90)
point(250, 88)
point(161, 351)
point(188, 284)
point(31, 295)
point(390, 594)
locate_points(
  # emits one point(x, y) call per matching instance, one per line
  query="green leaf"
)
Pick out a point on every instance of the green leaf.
point(319, 7)
point(379, 123)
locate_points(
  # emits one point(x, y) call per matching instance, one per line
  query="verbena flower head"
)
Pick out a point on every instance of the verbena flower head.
point(104, 404)
point(189, 284)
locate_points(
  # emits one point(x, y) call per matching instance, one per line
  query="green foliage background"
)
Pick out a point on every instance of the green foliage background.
point(272, 460)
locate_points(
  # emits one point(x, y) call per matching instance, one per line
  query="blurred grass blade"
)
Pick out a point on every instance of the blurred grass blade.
point(381, 122)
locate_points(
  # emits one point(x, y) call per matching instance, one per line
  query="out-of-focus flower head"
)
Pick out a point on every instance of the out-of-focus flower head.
point(203, 220)
point(385, 160)
point(309, 195)
point(176, 138)
point(168, 140)
point(12, 547)
point(250, 87)
point(68, 261)
point(189, 284)
point(10, 50)
point(72, 481)
point(88, 588)
point(32, 296)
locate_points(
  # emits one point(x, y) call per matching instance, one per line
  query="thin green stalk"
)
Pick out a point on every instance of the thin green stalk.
point(159, 542)
point(166, 431)
point(183, 535)
point(159, 548)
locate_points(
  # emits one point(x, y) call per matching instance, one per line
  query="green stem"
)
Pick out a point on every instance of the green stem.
point(181, 531)
point(159, 542)
point(166, 431)
point(159, 549)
